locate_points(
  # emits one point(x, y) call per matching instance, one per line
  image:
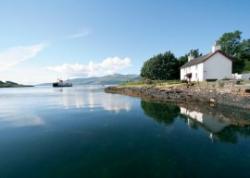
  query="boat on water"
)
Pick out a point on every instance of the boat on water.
point(61, 83)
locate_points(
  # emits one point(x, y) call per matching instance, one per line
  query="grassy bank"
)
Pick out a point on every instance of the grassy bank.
point(155, 83)
point(178, 83)
point(224, 92)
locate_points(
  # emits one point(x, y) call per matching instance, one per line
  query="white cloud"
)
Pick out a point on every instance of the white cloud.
point(16, 55)
point(79, 35)
point(108, 66)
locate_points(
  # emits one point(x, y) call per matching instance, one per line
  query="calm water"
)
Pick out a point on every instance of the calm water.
point(83, 132)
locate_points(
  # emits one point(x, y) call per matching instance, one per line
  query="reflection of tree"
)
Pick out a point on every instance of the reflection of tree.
point(163, 113)
point(230, 134)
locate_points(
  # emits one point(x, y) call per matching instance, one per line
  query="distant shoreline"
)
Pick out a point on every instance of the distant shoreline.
point(21, 86)
point(9, 84)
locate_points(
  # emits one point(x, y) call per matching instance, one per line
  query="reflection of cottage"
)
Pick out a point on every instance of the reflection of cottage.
point(215, 65)
point(208, 122)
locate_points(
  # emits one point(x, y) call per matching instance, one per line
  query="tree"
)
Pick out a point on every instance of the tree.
point(193, 52)
point(232, 44)
point(161, 112)
point(245, 49)
point(161, 67)
point(245, 54)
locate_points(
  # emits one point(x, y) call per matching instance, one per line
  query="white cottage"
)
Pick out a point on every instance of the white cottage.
point(215, 65)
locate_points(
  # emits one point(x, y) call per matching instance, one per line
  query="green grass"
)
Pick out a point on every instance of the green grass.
point(152, 83)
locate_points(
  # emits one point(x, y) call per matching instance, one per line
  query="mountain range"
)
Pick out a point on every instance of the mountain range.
point(114, 79)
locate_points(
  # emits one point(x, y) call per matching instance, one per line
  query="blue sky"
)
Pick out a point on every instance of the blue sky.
point(45, 40)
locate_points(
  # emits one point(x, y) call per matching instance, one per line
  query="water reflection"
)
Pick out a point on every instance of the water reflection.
point(20, 121)
point(93, 98)
point(26, 107)
point(69, 138)
point(162, 113)
point(221, 123)
point(209, 122)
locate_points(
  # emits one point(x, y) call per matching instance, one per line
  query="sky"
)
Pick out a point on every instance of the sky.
point(43, 40)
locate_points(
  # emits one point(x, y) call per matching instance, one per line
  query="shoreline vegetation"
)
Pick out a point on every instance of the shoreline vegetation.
point(218, 93)
point(9, 84)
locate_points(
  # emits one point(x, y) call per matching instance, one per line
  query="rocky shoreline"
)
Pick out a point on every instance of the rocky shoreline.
point(226, 93)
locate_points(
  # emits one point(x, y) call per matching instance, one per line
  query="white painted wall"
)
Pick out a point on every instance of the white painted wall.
point(196, 70)
point(217, 67)
point(183, 73)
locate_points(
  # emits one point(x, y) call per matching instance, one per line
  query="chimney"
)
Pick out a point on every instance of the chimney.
point(190, 57)
point(216, 47)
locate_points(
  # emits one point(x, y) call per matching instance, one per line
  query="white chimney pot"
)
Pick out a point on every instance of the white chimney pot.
point(190, 57)
point(216, 47)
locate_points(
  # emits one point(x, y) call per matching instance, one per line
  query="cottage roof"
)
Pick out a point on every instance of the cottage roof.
point(204, 58)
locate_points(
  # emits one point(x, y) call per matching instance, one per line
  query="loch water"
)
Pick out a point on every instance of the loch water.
point(84, 132)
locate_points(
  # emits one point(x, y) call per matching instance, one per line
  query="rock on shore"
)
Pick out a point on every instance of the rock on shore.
point(226, 93)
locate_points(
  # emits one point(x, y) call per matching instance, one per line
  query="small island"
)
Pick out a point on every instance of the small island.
point(9, 84)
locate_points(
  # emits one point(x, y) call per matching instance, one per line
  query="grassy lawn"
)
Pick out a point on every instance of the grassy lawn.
point(158, 83)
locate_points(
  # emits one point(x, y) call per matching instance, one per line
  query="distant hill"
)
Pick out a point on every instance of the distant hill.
point(105, 80)
point(9, 84)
